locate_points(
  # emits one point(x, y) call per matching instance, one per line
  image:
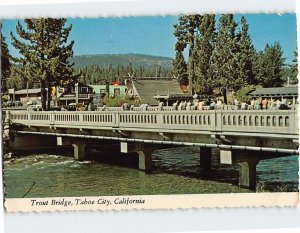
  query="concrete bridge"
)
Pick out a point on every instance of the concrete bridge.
point(242, 137)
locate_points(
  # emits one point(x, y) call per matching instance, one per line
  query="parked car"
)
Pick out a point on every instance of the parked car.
point(18, 104)
point(35, 107)
point(71, 107)
point(55, 108)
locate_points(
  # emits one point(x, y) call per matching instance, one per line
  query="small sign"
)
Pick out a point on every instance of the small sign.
point(225, 157)
point(124, 147)
point(59, 141)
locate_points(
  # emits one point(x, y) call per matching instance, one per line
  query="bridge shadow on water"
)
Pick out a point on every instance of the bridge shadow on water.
point(182, 161)
point(272, 175)
point(185, 161)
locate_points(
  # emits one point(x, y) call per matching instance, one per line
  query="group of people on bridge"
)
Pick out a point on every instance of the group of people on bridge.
point(218, 104)
point(198, 104)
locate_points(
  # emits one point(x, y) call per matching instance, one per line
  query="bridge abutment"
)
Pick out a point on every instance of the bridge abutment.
point(31, 142)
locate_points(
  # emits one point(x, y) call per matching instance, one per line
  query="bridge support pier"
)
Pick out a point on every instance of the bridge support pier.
point(79, 150)
point(205, 158)
point(143, 151)
point(247, 174)
point(247, 162)
point(145, 160)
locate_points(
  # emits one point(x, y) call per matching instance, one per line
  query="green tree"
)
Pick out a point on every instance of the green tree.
point(185, 32)
point(244, 57)
point(294, 69)
point(179, 65)
point(45, 54)
point(223, 61)
point(5, 64)
point(203, 56)
point(269, 66)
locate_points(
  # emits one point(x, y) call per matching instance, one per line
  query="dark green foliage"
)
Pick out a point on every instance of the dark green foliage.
point(179, 65)
point(269, 66)
point(224, 59)
point(5, 64)
point(95, 74)
point(204, 76)
point(245, 55)
point(294, 70)
point(185, 32)
point(136, 60)
point(224, 62)
point(117, 101)
point(96, 69)
point(44, 54)
point(242, 94)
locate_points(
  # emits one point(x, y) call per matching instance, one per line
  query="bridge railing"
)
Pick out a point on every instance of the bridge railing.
point(281, 121)
point(275, 122)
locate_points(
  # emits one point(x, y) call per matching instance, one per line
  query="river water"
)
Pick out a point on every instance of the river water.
point(175, 171)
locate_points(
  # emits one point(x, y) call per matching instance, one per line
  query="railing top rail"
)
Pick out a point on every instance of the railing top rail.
point(119, 109)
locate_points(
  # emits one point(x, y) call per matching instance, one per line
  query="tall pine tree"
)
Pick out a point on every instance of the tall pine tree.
point(223, 62)
point(269, 66)
point(44, 54)
point(185, 32)
point(244, 57)
point(294, 69)
point(5, 64)
point(203, 56)
point(179, 65)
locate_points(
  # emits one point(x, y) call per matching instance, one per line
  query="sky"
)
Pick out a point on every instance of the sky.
point(153, 35)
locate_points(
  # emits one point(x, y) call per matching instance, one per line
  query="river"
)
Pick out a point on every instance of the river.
point(175, 171)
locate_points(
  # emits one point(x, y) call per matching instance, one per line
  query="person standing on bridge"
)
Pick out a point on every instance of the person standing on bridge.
point(252, 103)
point(125, 106)
point(160, 106)
point(188, 106)
point(180, 106)
point(175, 105)
point(264, 103)
point(145, 106)
point(200, 105)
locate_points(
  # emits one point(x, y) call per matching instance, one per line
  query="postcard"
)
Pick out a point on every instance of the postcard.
point(150, 112)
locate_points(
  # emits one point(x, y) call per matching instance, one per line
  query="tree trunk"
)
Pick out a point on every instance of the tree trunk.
point(224, 90)
point(43, 95)
point(191, 66)
point(49, 97)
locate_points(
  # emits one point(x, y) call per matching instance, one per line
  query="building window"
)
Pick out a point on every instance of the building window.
point(84, 90)
point(117, 92)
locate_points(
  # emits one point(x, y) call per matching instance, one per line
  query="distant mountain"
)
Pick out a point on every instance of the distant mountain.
point(136, 60)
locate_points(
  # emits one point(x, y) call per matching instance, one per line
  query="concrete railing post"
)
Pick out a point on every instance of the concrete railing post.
point(52, 117)
point(115, 119)
point(218, 125)
point(160, 119)
point(294, 124)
